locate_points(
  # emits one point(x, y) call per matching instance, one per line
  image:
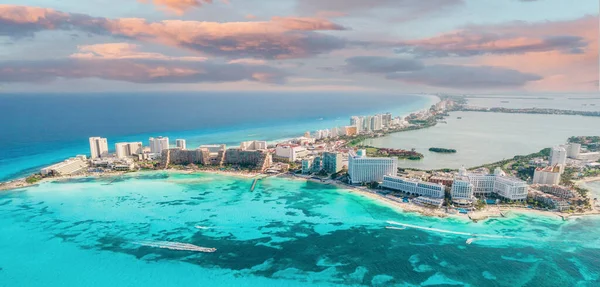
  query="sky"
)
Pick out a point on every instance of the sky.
point(429, 46)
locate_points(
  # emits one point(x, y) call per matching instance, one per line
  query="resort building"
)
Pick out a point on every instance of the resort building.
point(259, 160)
point(290, 152)
point(317, 164)
point(553, 201)
point(558, 156)
point(307, 165)
point(362, 169)
point(332, 162)
point(180, 143)
point(462, 191)
point(68, 167)
point(98, 147)
point(413, 186)
point(573, 150)
point(157, 145)
point(253, 145)
point(428, 201)
point(556, 190)
point(547, 175)
point(481, 184)
point(214, 154)
point(124, 150)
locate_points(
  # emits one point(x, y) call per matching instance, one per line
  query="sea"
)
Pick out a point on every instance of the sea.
point(37, 130)
point(146, 229)
point(154, 228)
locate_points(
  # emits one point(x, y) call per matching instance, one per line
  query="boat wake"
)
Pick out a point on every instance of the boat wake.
point(405, 225)
point(175, 246)
point(202, 227)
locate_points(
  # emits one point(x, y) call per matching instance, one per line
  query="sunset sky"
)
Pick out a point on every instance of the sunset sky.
point(299, 45)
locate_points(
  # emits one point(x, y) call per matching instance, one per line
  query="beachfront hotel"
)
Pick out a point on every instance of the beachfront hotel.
point(547, 175)
point(362, 169)
point(98, 147)
point(157, 145)
point(332, 162)
point(124, 150)
point(483, 184)
point(181, 143)
point(68, 167)
point(413, 186)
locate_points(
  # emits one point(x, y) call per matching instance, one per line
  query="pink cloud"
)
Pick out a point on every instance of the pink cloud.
point(123, 51)
point(178, 6)
point(279, 38)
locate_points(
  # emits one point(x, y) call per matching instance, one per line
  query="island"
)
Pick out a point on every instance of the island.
point(441, 150)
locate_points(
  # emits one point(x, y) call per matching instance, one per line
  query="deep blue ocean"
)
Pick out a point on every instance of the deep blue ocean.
point(40, 129)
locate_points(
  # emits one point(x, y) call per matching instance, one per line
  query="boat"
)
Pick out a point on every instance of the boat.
point(459, 118)
point(505, 102)
point(470, 240)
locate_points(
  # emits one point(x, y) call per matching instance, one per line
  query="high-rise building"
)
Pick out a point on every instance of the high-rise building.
point(362, 169)
point(357, 122)
point(376, 123)
point(253, 145)
point(157, 145)
point(573, 150)
point(558, 156)
point(387, 120)
point(180, 143)
point(332, 162)
point(307, 165)
point(124, 150)
point(367, 123)
point(98, 147)
point(547, 175)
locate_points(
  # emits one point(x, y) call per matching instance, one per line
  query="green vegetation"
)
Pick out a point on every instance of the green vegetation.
point(387, 152)
point(442, 150)
point(480, 204)
point(519, 164)
point(33, 178)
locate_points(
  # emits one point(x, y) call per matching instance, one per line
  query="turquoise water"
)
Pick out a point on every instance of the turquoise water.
point(86, 232)
point(38, 130)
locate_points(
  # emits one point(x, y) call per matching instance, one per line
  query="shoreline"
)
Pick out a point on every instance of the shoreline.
point(395, 203)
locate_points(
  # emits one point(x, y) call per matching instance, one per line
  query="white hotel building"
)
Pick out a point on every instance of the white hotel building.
point(362, 169)
point(124, 150)
point(157, 145)
point(98, 147)
point(467, 185)
point(413, 186)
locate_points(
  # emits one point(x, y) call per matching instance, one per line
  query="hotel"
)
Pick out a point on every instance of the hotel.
point(547, 175)
point(181, 144)
point(362, 169)
point(413, 186)
point(67, 167)
point(124, 150)
point(332, 162)
point(466, 185)
point(157, 145)
point(98, 147)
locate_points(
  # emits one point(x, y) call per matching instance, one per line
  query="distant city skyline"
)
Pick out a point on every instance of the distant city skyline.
point(408, 46)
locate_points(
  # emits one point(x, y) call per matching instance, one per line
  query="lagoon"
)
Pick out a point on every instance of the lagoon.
point(481, 138)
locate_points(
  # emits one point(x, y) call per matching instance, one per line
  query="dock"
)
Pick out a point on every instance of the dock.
point(254, 184)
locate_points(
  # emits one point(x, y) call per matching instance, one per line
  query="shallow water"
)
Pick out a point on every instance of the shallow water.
point(286, 233)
